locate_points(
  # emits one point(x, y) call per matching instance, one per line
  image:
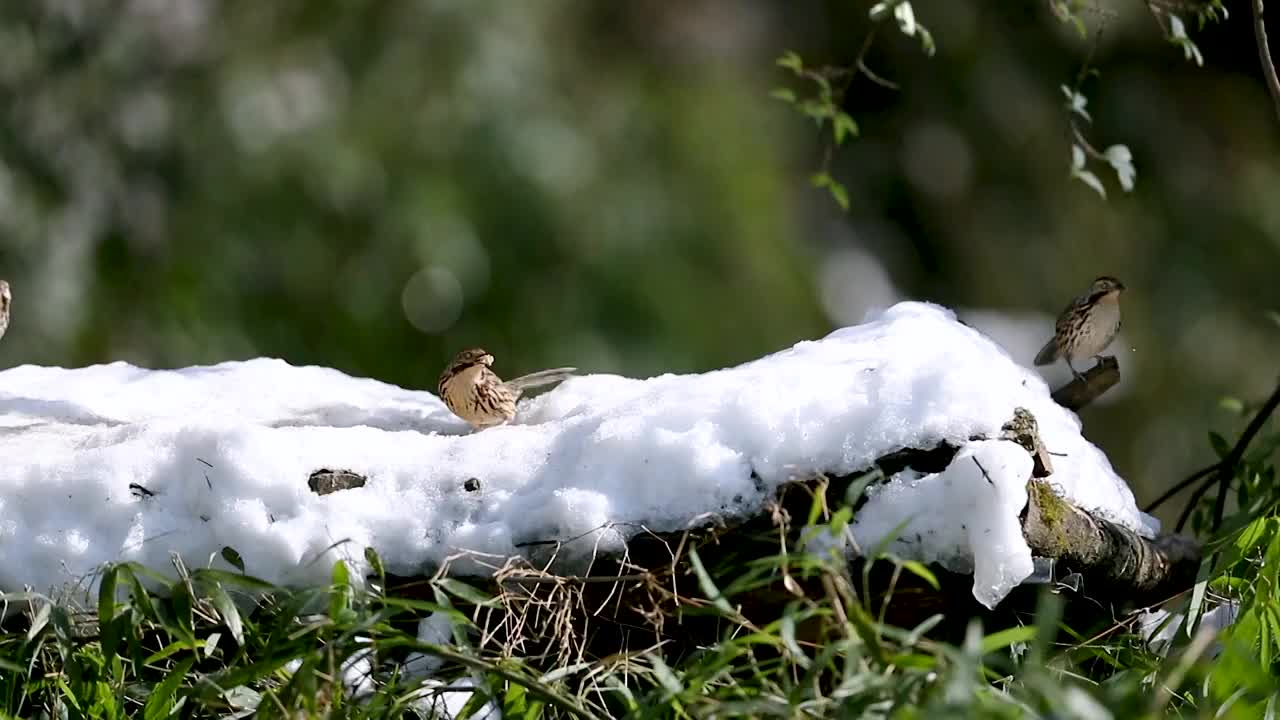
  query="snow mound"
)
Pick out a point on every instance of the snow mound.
point(224, 453)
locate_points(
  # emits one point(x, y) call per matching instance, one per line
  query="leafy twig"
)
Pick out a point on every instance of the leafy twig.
point(860, 62)
point(1264, 54)
point(1222, 471)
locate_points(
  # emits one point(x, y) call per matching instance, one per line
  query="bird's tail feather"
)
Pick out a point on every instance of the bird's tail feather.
point(540, 378)
point(1048, 354)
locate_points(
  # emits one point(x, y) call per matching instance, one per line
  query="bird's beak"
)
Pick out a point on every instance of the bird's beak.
point(487, 360)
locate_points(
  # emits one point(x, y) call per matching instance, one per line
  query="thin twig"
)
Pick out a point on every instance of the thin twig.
point(577, 579)
point(1222, 471)
point(1264, 54)
point(860, 62)
point(1229, 463)
point(1081, 76)
point(1191, 479)
point(1192, 502)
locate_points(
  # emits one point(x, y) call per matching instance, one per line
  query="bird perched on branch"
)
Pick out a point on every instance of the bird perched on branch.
point(6, 299)
point(1087, 326)
point(476, 394)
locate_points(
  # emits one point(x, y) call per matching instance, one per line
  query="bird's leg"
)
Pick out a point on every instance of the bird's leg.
point(1074, 372)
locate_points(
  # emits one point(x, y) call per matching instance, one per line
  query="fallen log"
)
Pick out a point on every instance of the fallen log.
point(663, 587)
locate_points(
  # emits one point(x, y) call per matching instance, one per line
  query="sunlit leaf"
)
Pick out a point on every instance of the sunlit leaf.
point(1088, 178)
point(466, 592)
point(844, 127)
point(1219, 444)
point(1076, 102)
point(906, 17)
point(160, 703)
point(1077, 157)
point(227, 609)
point(921, 571)
point(791, 61)
point(1196, 606)
point(1121, 160)
point(708, 585)
point(1009, 636)
point(786, 95)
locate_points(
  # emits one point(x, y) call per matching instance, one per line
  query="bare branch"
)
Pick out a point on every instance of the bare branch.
point(1264, 54)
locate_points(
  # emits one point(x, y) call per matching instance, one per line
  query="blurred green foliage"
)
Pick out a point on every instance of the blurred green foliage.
point(194, 181)
point(371, 186)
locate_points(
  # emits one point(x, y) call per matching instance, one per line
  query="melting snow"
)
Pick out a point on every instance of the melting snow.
point(224, 453)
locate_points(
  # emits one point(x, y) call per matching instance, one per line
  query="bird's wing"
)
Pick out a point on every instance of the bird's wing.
point(540, 378)
point(1049, 353)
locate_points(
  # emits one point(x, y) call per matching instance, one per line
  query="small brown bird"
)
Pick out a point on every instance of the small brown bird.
point(6, 299)
point(476, 394)
point(1087, 326)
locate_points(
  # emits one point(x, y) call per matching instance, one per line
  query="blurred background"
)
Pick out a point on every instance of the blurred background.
point(373, 185)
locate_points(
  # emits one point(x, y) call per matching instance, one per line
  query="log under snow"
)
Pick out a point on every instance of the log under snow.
point(222, 454)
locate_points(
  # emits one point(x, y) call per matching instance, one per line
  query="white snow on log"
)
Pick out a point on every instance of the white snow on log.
point(225, 452)
point(965, 518)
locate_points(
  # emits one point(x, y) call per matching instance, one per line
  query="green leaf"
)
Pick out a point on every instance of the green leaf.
point(515, 700)
point(466, 592)
point(861, 621)
point(211, 644)
point(921, 571)
point(107, 599)
point(233, 558)
point(475, 701)
point(230, 579)
point(860, 484)
point(1121, 160)
point(839, 194)
point(1076, 103)
point(172, 649)
point(227, 609)
point(787, 631)
point(816, 505)
point(791, 61)
point(817, 110)
point(665, 676)
point(844, 127)
point(1196, 605)
point(840, 519)
point(1273, 623)
point(926, 42)
point(138, 595)
point(340, 596)
point(1088, 178)
point(40, 619)
point(880, 10)
point(1009, 636)
point(426, 606)
point(160, 704)
point(1232, 404)
point(707, 584)
point(786, 95)
point(1219, 444)
point(906, 17)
